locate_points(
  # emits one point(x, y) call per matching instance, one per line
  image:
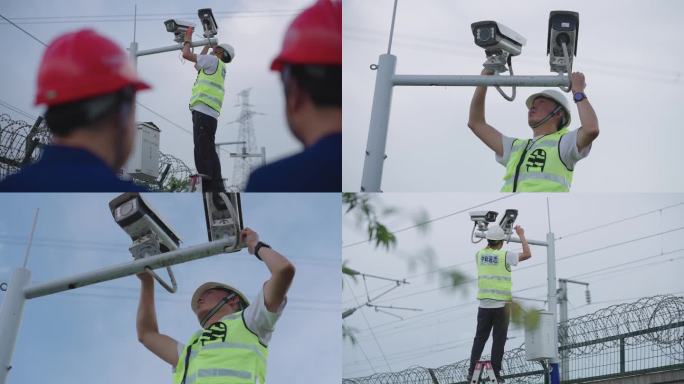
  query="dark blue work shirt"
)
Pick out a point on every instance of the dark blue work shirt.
point(67, 169)
point(316, 169)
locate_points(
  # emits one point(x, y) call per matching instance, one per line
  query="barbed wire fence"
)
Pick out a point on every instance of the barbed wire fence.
point(21, 143)
point(597, 345)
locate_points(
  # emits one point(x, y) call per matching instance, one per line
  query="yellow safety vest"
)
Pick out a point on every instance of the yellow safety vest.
point(226, 352)
point(536, 166)
point(208, 89)
point(493, 275)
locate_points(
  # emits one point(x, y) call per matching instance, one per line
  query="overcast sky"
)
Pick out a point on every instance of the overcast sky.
point(254, 29)
point(90, 332)
point(443, 332)
point(634, 81)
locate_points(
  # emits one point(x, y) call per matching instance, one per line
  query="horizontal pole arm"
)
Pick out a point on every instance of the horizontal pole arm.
point(131, 268)
point(514, 239)
point(574, 282)
point(475, 80)
point(176, 47)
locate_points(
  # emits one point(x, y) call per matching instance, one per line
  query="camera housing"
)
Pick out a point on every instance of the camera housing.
point(563, 29)
point(495, 38)
point(208, 21)
point(483, 218)
point(178, 28)
point(223, 216)
point(507, 220)
point(500, 44)
point(150, 234)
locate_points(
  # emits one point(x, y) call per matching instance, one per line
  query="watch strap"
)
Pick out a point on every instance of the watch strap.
point(260, 245)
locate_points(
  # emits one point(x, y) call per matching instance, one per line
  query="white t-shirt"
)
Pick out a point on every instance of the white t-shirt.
point(258, 319)
point(512, 260)
point(568, 149)
point(208, 63)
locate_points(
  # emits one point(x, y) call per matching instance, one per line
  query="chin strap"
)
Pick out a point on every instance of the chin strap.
point(547, 118)
point(216, 308)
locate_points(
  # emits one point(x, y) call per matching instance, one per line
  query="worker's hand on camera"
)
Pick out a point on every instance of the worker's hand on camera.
point(249, 238)
point(577, 83)
point(519, 230)
point(188, 34)
point(487, 72)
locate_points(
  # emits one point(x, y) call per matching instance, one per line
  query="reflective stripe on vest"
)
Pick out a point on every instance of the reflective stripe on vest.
point(225, 352)
point(208, 89)
point(493, 276)
point(538, 168)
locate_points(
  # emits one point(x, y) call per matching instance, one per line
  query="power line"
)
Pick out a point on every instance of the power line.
point(372, 333)
point(147, 17)
point(538, 265)
point(164, 118)
point(618, 221)
point(16, 110)
point(23, 30)
point(447, 309)
point(433, 220)
point(451, 266)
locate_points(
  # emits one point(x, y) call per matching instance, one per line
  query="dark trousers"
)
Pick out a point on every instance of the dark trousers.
point(206, 159)
point(488, 319)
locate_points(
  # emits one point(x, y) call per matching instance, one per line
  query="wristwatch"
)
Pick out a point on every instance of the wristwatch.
point(579, 96)
point(260, 245)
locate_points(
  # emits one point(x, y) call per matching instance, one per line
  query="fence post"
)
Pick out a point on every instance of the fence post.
point(622, 355)
point(432, 376)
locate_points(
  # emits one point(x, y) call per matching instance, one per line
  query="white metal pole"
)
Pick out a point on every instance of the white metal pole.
point(477, 80)
point(514, 239)
point(377, 132)
point(10, 318)
point(552, 299)
point(133, 51)
point(132, 267)
point(563, 301)
point(391, 36)
point(177, 47)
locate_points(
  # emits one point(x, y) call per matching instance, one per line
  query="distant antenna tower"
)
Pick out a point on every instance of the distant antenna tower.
point(245, 159)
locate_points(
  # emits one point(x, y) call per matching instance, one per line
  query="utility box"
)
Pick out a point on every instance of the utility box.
point(540, 343)
point(144, 161)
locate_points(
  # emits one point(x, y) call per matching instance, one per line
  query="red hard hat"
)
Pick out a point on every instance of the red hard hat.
point(83, 64)
point(314, 37)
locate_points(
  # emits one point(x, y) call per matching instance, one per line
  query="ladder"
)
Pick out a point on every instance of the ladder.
point(483, 373)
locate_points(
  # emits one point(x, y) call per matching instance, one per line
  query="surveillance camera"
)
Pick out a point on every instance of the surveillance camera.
point(508, 219)
point(482, 219)
point(223, 216)
point(150, 234)
point(178, 28)
point(208, 22)
point(563, 30)
point(495, 37)
point(488, 216)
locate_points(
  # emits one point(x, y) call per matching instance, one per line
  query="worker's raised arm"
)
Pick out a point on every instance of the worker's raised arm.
point(146, 324)
point(589, 130)
point(526, 253)
point(187, 53)
point(478, 124)
point(282, 271)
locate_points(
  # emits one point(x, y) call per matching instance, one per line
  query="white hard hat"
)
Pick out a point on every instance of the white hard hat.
point(214, 285)
point(494, 232)
point(556, 96)
point(227, 48)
